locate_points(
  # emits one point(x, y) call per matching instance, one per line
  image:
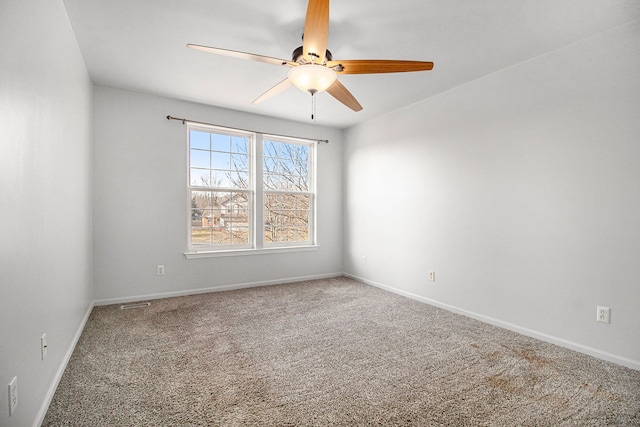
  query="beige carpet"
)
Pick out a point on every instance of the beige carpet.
point(326, 353)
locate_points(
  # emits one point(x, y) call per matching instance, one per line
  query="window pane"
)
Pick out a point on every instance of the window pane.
point(288, 234)
point(271, 207)
point(304, 183)
point(268, 234)
point(240, 144)
point(271, 181)
point(220, 160)
point(200, 177)
point(201, 200)
point(288, 182)
point(240, 235)
point(302, 233)
point(270, 165)
point(302, 201)
point(288, 201)
point(271, 148)
point(276, 233)
point(302, 152)
point(240, 179)
point(200, 159)
point(199, 139)
point(240, 162)
point(220, 179)
point(201, 236)
point(220, 142)
point(221, 236)
point(287, 166)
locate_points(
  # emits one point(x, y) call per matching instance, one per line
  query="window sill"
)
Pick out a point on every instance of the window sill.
point(242, 252)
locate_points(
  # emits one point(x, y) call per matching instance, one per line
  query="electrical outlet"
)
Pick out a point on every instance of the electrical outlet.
point(43, 346)
point(160, 270)
point(603, 314)
point(432, 276)
point(364, 259)
point(13, 395)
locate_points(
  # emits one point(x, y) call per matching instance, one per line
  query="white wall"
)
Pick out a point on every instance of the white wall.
point(520, 189)
point(140, 201)
point(45, 200)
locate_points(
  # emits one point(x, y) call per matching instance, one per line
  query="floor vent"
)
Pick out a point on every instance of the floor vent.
point(135, 305)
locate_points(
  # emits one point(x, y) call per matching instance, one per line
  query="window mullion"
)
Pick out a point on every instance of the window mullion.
point(258, 166)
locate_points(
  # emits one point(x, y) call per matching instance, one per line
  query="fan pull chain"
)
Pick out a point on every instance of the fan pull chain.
point(313, 107)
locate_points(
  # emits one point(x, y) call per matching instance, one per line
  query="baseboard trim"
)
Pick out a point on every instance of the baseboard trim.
point(134, 298)
point(609, 357)
point(56, 379)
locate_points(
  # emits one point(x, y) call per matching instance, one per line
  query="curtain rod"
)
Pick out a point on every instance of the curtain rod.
point(184, 121)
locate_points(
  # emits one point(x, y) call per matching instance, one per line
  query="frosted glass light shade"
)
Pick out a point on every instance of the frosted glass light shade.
point(312, 78)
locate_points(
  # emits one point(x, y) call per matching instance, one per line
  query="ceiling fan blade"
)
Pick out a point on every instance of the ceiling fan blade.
point(375, 66)
point(243, 55)
point(279, 88)
point(316, 31)
point(339, 92)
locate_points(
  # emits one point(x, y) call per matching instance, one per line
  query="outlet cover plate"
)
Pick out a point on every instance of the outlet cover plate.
point(603, 314)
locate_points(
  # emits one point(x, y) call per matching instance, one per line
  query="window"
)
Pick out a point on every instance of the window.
point(288, 197)
point(241, 182)
point(220, 187)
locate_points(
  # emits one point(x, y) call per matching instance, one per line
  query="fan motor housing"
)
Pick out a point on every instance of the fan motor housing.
point(298, 52)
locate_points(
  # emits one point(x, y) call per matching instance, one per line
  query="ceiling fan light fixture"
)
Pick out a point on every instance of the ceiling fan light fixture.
point(312, 78)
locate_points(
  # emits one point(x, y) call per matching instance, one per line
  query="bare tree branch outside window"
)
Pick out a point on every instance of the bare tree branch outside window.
point(286, 176)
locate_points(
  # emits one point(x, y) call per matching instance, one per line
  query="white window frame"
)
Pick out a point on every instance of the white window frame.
point(257, 244)
point(311, 193)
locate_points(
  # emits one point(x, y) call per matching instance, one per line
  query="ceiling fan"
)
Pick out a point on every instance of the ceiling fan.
point(313, 68)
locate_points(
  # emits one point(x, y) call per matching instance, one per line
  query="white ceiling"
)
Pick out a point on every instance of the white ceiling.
point(140, 45)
